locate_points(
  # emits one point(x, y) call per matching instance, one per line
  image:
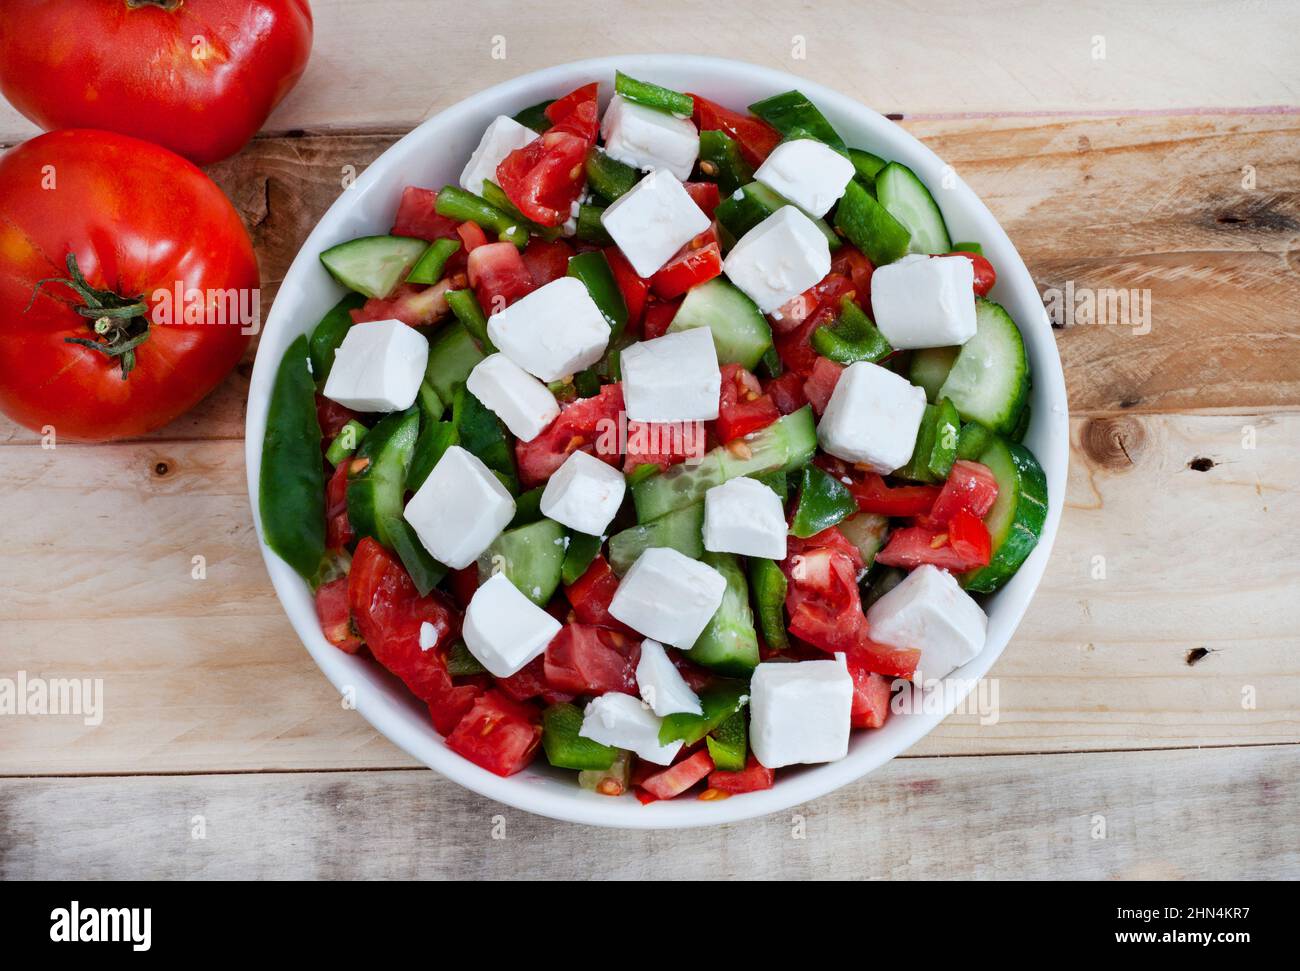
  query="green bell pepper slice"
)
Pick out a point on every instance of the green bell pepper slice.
point(823, 501)
point(590, 229)
point(496, 196)
point(866, 165)
point(345, 442)
point(534, 116)
point(769, 586)
point(581, 551)
point(653, 95)
point(729, 742)
point(936, 444)
point(870, 227)
point(593, 270)
point(721, 161)
point(792, 114)
point(329, 334)
point(608, 177)
point(461, 663)
point(852, 337)
point(480, 432)
point(565, 748)
point(428, 268)
point(718, 703)
point(455, 203)
point(464, 305)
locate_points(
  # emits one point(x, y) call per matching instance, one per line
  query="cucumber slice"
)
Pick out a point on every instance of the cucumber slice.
point(530, 556)
point(681, 530)
point(717, 703)
point(435, 438)
point(929, 369)
point(729, 643)
point(910, 202)
point(1016, 520)
point(869, 225)
point(373, 265)
point(740, 332)
point(866, 531)
point(989, 380)
point(785, 445)
point(452, 355)
point(751, 204)
point(728, 743)
point(565, 748)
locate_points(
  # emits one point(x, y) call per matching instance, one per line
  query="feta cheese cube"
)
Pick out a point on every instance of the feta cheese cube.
point(668, 596)
point(873, 417)
point(799, 712)
point(672, 378)
point(653, 220)
point(505, 630)
point(779, 258)
point(647, 138)
point(460, 509)
point(744, 516)
point(515, 396)
point(929, 610)
point(584, 494)
point(662, 686)
point(378, 367)
point(923, 301)
point(502, 137)
point(555, 331)
point(624, 722)
point(809, 173)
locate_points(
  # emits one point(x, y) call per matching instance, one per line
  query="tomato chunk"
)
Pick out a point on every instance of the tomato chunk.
point(499, 276)
point(892, 662)
point(755, 137)
point(417, 217)
point(634, 288)
point(913, 546)
point(871, 693)
point(873, 494)
point(851, 263)
point(331, 416)
point(588, 660)
point(706, 195)
point(658, 315)
point(787, 392)
point(985, 276)
point(545, 177)
point(586, 424)
point(743, 407)
point(821, 383)
point(498, 733)
point(592, 593)
point(412, 305)
point(822, 598)
point(676, 779)
point(687, 269)
point(662, 443)
point(970, 486)
point(576, 113)
point(338, 528)
point(547, 260)
point(335, 619)
point(752, 778)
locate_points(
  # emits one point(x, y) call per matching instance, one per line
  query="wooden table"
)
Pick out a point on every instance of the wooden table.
point(1150, 703)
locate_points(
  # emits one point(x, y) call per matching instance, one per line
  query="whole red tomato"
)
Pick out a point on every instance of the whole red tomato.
point(198, 76)
point(115, 353)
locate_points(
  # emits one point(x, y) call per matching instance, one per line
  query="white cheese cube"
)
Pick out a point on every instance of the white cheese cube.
point(505, 630)
point(672, 378)
point(378, 367)
point(779, 258)
point(923, 301)
point(668, 596)
point(502, 137)
point(460, 509)
point(555, 331)
point(662, 686)
point(653, 220)
point(746, 517)
point(584, 494)
point(647, 138)
point(929, 610)
point(873, 417)
point(624, 722)
point(799, 712)
point(513, 395)
point(809, 173)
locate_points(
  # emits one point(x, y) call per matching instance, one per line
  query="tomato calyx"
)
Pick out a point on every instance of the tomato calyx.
point(120, 324)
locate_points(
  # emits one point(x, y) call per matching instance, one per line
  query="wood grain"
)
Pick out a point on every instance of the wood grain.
point(1105, 816)
point(207, 675)
point(1153, 202)
point(405, 59)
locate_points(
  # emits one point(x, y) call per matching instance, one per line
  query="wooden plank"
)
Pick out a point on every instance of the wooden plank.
point(404, 59)
point(1214, 814)
point(1150, 203)
point(206, 675)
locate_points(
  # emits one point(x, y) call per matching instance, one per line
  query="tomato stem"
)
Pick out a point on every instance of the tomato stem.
point(120, 324)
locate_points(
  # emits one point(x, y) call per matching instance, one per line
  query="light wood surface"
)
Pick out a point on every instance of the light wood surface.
point(213, 708)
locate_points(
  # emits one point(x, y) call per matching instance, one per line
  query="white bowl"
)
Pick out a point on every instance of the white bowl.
point(432, 155)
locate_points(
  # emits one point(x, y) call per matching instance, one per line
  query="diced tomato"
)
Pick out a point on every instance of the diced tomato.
point(331, 416)
point(985, 276)
point(874, 495)
point(530, 682)
point(743, 407)
point(676, 779)
point(821, 383)
point(829, 292)
point(388, 612)
point(591, 594)
point(338, 528)
point(634, 288)
point(822, 598)
point(795, 346)
point(756, 137)
point(830, 538)
point(871, 693)
point(451, 702)
point(547, 260)
point(464, 584)
point(545, 177)
point(498, 733)
point(969, 537)
point(970, 486)
point(688, 268)
point(576, 112)
point(851, 263)
point(891, 662)
point(697, 678)
point(587, 424)
point(412, 305)
point(662, 444)
point(471, 236)
point(417, 217)
point(913, 546)
point(704, 194)
point(787, 392)
point(752, 778)
point(499, 276)
point(335, 620)
point(658, 315)
point(590, 660)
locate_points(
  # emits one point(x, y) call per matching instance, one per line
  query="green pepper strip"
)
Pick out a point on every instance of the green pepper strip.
point(455, 203)
point(461, 663)
point(481, 434)
point(975, 248)
point(496, 196)
point(769, 584)
point(428, 268)
point(728, 743)
point(565, 748)
point(594, 272)
point(534, 116)
point(291, 484)
point(792, 113)
point(653, 95)
point(528, 508)
point(718, 703)
point(823, 501)
point(866, 165)
point(608, 177)
point(590, 229)
point(465, 306)
point(345, 442)
point(853, 337)
point(329, 334)
point(721, 161)
point(435, 438)
point(582, 549)
point(936, 444)
point(869, 226)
